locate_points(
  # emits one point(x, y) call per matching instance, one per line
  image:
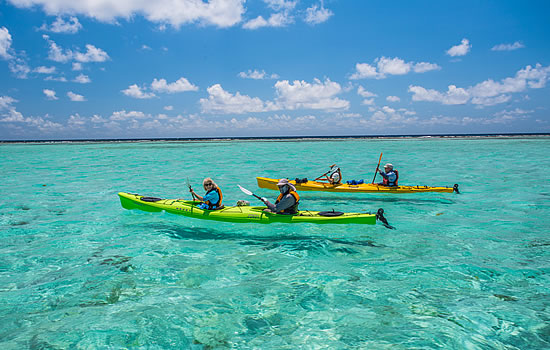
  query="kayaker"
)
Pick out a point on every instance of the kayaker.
point(390, 176)
point(334, 175)
point(212, 199)
point(286, 202)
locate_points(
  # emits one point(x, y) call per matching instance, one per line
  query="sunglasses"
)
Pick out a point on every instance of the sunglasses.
point(208, 185)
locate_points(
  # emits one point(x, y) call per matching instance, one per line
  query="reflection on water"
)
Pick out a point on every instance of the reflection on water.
point(299, 241)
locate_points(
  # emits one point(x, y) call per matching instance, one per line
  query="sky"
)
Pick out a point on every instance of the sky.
point(104, 69)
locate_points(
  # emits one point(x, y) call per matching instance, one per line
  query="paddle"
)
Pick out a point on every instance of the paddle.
point(319, 178)
point(249, 193)
point(377, 167)
point(189, 185)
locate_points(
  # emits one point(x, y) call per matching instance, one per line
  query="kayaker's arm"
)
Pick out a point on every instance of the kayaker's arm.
point(270, 206)
point(196, 195)
point(285, 203)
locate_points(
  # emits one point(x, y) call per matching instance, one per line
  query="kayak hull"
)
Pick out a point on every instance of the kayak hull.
point(245, 214)
point(264, 182)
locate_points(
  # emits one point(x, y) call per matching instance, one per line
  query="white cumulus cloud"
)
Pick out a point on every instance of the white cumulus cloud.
point(123, 115)
point(290, 96)
point(17, 65)
point(221, 101)
point(424, 67)
point(221, 13)
point(160, 86)
point(180, 85)
point(257, 75)
point(281, 5)
point(317, 14)
point(71, 26)
point(460, 50)
point(44, 70)
point(8, 114)
point(275, 20)
point(92, 54)
point(508, 47)
point(488, 92)
point(5, 43)
point(361, 91)
point(75, 97)
point(453, 96)
point(393, 99)
point(6, 102)
point(82, 79)
point(50, 94)
point(303, 95)
point(60, 79)
point(384, 66)
point(58, 54)
point(136, 92)
point(388, 117)
point(76, 121)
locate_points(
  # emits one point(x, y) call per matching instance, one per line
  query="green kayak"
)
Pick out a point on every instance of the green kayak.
point(243, 213)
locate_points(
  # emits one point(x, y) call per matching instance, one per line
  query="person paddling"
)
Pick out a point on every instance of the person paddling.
point(286, 202)
point(212, 199)
point(390, 176)
point(333, 176)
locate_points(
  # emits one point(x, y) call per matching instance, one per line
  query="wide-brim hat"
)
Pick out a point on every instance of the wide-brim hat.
point(389, 165)
point(282, 182)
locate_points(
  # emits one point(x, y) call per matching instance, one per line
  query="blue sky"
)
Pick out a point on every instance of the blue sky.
point(190, 68)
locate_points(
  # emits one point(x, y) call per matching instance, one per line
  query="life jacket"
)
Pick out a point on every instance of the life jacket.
point(337, 170)
point(212, 206)
point(293, 209)
point(386, 182)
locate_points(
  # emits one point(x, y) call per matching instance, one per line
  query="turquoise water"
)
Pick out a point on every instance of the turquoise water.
point(460, 271)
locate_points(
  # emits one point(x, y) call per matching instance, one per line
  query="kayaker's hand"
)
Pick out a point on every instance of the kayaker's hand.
point(263, 199)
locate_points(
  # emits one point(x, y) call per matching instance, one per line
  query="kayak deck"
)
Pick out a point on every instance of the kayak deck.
point(264, 182)
point(237, 213)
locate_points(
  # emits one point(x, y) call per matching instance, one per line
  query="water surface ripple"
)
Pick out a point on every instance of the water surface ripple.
point(460, 271)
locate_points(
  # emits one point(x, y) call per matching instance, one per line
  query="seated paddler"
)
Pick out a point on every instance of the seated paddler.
point(212, 200)
point(389, 175)
point(333, 176)
point(286, 202)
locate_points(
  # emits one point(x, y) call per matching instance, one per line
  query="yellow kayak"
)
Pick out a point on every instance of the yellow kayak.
point(264, 182)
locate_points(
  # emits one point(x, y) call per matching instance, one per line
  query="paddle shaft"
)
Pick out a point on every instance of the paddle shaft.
point(377, 167)
point(190, 189)
point(192, 194)
point(248, 192)
point(319, 178)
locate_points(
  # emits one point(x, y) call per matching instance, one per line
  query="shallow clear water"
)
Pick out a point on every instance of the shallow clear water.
point(460, 271)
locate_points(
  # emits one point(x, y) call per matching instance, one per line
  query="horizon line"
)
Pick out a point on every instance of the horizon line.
point(224, 138)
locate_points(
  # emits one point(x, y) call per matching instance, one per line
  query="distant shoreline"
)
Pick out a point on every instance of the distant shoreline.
point(284, 138)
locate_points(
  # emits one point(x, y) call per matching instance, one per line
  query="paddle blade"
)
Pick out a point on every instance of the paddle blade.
point(245, 190)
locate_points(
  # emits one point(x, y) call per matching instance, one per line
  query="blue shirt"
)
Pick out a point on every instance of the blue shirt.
point(211, 196)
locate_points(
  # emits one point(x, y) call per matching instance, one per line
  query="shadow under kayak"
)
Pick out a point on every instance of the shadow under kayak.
point(264, 182)
point(243, 213)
